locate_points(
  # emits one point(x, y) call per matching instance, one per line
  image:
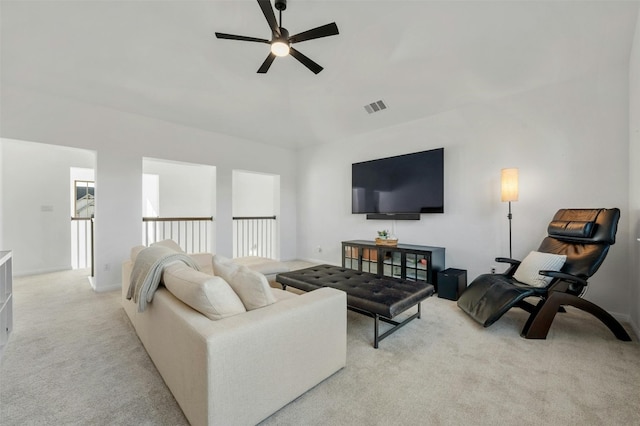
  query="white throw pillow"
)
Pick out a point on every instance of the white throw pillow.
point(224, 267)
point(252, 287)
point(204, 262)
point(536, 261)
point(209, 295)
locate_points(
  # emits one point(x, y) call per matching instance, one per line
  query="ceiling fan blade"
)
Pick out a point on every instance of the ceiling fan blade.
point(265, 5)
point(305, 61)
point(241, 38)
point(323, 31)
point(266, 64)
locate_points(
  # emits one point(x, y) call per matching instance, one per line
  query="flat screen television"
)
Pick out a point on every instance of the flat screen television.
point(404, 184)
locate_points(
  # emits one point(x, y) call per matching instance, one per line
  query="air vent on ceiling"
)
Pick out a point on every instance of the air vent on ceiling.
point(375, 107)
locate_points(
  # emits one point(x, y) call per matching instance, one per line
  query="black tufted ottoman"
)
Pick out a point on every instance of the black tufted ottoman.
point(377, 296)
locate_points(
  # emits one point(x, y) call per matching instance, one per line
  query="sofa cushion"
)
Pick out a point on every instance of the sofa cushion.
point(252, 287)
point(204, 262)
point(210, 295)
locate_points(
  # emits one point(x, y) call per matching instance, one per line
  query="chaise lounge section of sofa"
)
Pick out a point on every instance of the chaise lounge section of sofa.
point(241, 369)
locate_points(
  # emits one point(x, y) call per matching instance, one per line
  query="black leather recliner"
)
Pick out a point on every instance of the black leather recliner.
point(584, 236)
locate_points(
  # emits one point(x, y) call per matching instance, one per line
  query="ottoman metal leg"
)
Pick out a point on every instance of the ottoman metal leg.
point(376, 321)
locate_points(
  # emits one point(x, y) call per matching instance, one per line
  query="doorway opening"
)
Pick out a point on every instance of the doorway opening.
point(255, 210)
point(179, 203)
point(82, 206)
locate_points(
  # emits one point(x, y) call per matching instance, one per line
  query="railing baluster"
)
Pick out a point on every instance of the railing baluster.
point(247, 237)
point(262, 253)
point(268, 230)
point(77, 245)
point(93, 263)
point(86, 241)
point(206, 237)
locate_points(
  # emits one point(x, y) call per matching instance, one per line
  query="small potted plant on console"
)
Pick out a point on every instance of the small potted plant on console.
point(385, 239)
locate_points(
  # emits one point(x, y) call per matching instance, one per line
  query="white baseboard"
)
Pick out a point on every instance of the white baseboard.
point(113, 287)
point(38, 272)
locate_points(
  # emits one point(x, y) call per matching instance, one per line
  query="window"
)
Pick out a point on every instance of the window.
point(85, 194)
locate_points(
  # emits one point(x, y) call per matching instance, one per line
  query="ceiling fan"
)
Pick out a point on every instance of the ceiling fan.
point(281, 41)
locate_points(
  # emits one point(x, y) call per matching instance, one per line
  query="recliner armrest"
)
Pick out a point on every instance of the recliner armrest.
point(513, 265)
point(565, 283)
point(508, 260)
point(564, 276)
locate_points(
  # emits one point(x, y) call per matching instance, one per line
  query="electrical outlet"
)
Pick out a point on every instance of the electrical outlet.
point(319, 249)
point(493, 269)
point(107, 266)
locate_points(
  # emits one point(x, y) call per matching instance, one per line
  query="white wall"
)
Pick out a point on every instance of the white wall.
point(121, 141)
point(36, 203)
point(569, 140)
point(634, 178)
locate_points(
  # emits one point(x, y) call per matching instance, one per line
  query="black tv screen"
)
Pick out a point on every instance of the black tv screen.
point(410, 183)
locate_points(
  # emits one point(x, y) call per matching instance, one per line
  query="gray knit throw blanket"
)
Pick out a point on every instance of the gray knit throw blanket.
point(147, 272)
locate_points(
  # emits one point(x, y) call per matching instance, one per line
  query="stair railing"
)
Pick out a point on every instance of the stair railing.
point(191, 233)
point(254, 236)
point(82, 244)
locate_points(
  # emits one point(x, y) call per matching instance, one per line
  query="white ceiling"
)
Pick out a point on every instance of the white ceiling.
point(160, 58)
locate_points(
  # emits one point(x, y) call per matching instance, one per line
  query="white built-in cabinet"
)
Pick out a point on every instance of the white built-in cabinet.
point(6, 299)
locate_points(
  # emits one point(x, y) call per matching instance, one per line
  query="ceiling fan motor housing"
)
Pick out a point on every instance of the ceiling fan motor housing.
point(281, 4)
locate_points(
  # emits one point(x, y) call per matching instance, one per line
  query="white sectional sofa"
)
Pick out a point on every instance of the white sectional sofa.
point(240, 369)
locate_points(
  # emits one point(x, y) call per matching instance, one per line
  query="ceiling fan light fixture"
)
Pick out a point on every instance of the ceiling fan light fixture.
point(280, 48)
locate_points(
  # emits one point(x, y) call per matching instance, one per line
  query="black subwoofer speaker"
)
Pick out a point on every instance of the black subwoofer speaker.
point(451, 283)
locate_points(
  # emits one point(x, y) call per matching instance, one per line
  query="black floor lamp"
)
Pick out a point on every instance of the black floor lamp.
point(509, 192)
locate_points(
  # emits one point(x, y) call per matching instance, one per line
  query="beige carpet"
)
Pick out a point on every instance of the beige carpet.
point(74, 359)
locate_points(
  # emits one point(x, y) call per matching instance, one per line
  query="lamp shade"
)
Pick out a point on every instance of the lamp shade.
point(509, 182)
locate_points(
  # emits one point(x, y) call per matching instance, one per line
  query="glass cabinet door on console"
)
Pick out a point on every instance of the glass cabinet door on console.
point(416, 266)
point(369, 260)
point(360, 258)
point(392, 263)
point(410, 262)
point(350, 257)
